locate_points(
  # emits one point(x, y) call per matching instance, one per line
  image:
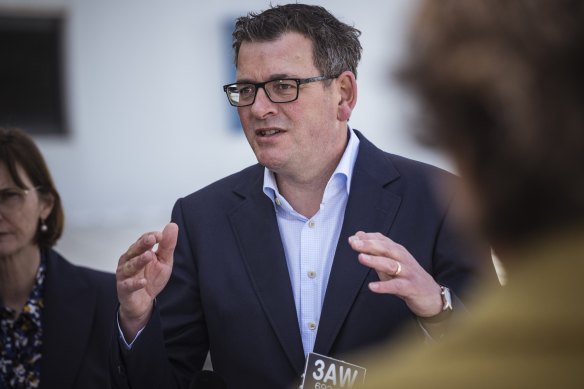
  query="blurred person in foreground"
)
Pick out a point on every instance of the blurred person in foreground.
point(502, 83)
point(55, 317)
point(269, 262)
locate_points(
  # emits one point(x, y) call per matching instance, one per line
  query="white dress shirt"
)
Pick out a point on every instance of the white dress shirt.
point(310, 244)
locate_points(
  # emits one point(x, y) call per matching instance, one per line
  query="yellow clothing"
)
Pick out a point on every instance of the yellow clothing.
point(529, 334)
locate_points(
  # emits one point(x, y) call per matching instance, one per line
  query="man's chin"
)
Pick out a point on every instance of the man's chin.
point(274, 166)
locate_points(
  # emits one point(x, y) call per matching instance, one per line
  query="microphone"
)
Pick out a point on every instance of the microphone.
point(207, 379)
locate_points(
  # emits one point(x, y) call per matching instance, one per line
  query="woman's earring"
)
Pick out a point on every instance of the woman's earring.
point(44, 227)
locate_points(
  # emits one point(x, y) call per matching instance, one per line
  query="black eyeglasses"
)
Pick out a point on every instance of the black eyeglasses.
point(284, 90)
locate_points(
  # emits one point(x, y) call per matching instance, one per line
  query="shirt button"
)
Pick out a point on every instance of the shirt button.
point(311, 224)
point(311, 326)
point(311, 274)
point(278, 202)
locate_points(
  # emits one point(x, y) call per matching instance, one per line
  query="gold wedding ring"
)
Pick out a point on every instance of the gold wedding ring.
point(398, 269)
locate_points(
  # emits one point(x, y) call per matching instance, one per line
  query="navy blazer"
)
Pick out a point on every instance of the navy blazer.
point(230, 291)
point(78, 322)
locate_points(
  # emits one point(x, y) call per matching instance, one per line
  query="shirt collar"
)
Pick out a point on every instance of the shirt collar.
point(343, 169)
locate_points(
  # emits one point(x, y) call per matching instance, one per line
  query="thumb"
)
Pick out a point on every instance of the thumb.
point(167, 243)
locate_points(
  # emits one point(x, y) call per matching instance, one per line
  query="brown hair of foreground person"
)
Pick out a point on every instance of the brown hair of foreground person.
point(503, 86)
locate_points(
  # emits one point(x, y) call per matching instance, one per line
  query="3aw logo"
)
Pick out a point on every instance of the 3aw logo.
point(322, 372)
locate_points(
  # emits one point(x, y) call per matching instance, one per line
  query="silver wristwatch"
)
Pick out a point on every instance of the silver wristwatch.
point(446, 298)
point(446, 307)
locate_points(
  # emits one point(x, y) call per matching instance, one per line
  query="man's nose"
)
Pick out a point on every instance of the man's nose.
point(262, 104)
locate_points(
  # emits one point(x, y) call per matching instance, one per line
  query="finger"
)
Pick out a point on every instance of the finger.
point(371, 235)
point(383, 265)
point(143, 244)
point(378, 245)
point(134, 265)
point(131, 285)
point(367, 243)
point(167, 242)
point(395, 286)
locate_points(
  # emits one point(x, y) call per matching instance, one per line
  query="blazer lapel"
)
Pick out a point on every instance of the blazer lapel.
point(66, 323)
point(371, 208)
point(255, 225)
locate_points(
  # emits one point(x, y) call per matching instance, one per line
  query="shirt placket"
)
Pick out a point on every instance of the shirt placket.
point(310, 282)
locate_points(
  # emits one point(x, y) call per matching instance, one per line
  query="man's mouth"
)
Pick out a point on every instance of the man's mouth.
point(267, 132)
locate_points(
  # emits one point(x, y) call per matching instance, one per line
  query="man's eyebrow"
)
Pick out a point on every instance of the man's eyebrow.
point(271, 78)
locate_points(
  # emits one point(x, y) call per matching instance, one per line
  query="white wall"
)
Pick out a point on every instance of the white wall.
point(149, 120)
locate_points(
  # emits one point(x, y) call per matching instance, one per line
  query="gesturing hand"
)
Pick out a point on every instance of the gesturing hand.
point(141, 275)
point(399, 273)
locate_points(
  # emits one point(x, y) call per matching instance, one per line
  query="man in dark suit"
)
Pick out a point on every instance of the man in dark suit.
point(272, 263)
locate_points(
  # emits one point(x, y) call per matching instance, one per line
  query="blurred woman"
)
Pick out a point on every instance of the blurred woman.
point(55, 317)
point(502, 86)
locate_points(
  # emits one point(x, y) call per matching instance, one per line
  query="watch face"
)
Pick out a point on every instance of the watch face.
point(446, 298)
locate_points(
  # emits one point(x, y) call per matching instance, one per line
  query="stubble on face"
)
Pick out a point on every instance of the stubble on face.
point(299, 139)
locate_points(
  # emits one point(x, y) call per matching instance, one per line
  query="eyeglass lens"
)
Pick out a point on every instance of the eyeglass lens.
point(278, 91)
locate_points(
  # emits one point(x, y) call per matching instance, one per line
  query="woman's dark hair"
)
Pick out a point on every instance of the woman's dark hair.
point(18, 149)
point(502, 84)
point(336, 45)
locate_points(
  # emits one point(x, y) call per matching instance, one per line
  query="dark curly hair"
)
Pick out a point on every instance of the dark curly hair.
point(502, 84)
point(18, 149)
point(336, 45)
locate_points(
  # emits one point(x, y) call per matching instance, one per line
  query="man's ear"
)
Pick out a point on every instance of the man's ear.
point(347, 85)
